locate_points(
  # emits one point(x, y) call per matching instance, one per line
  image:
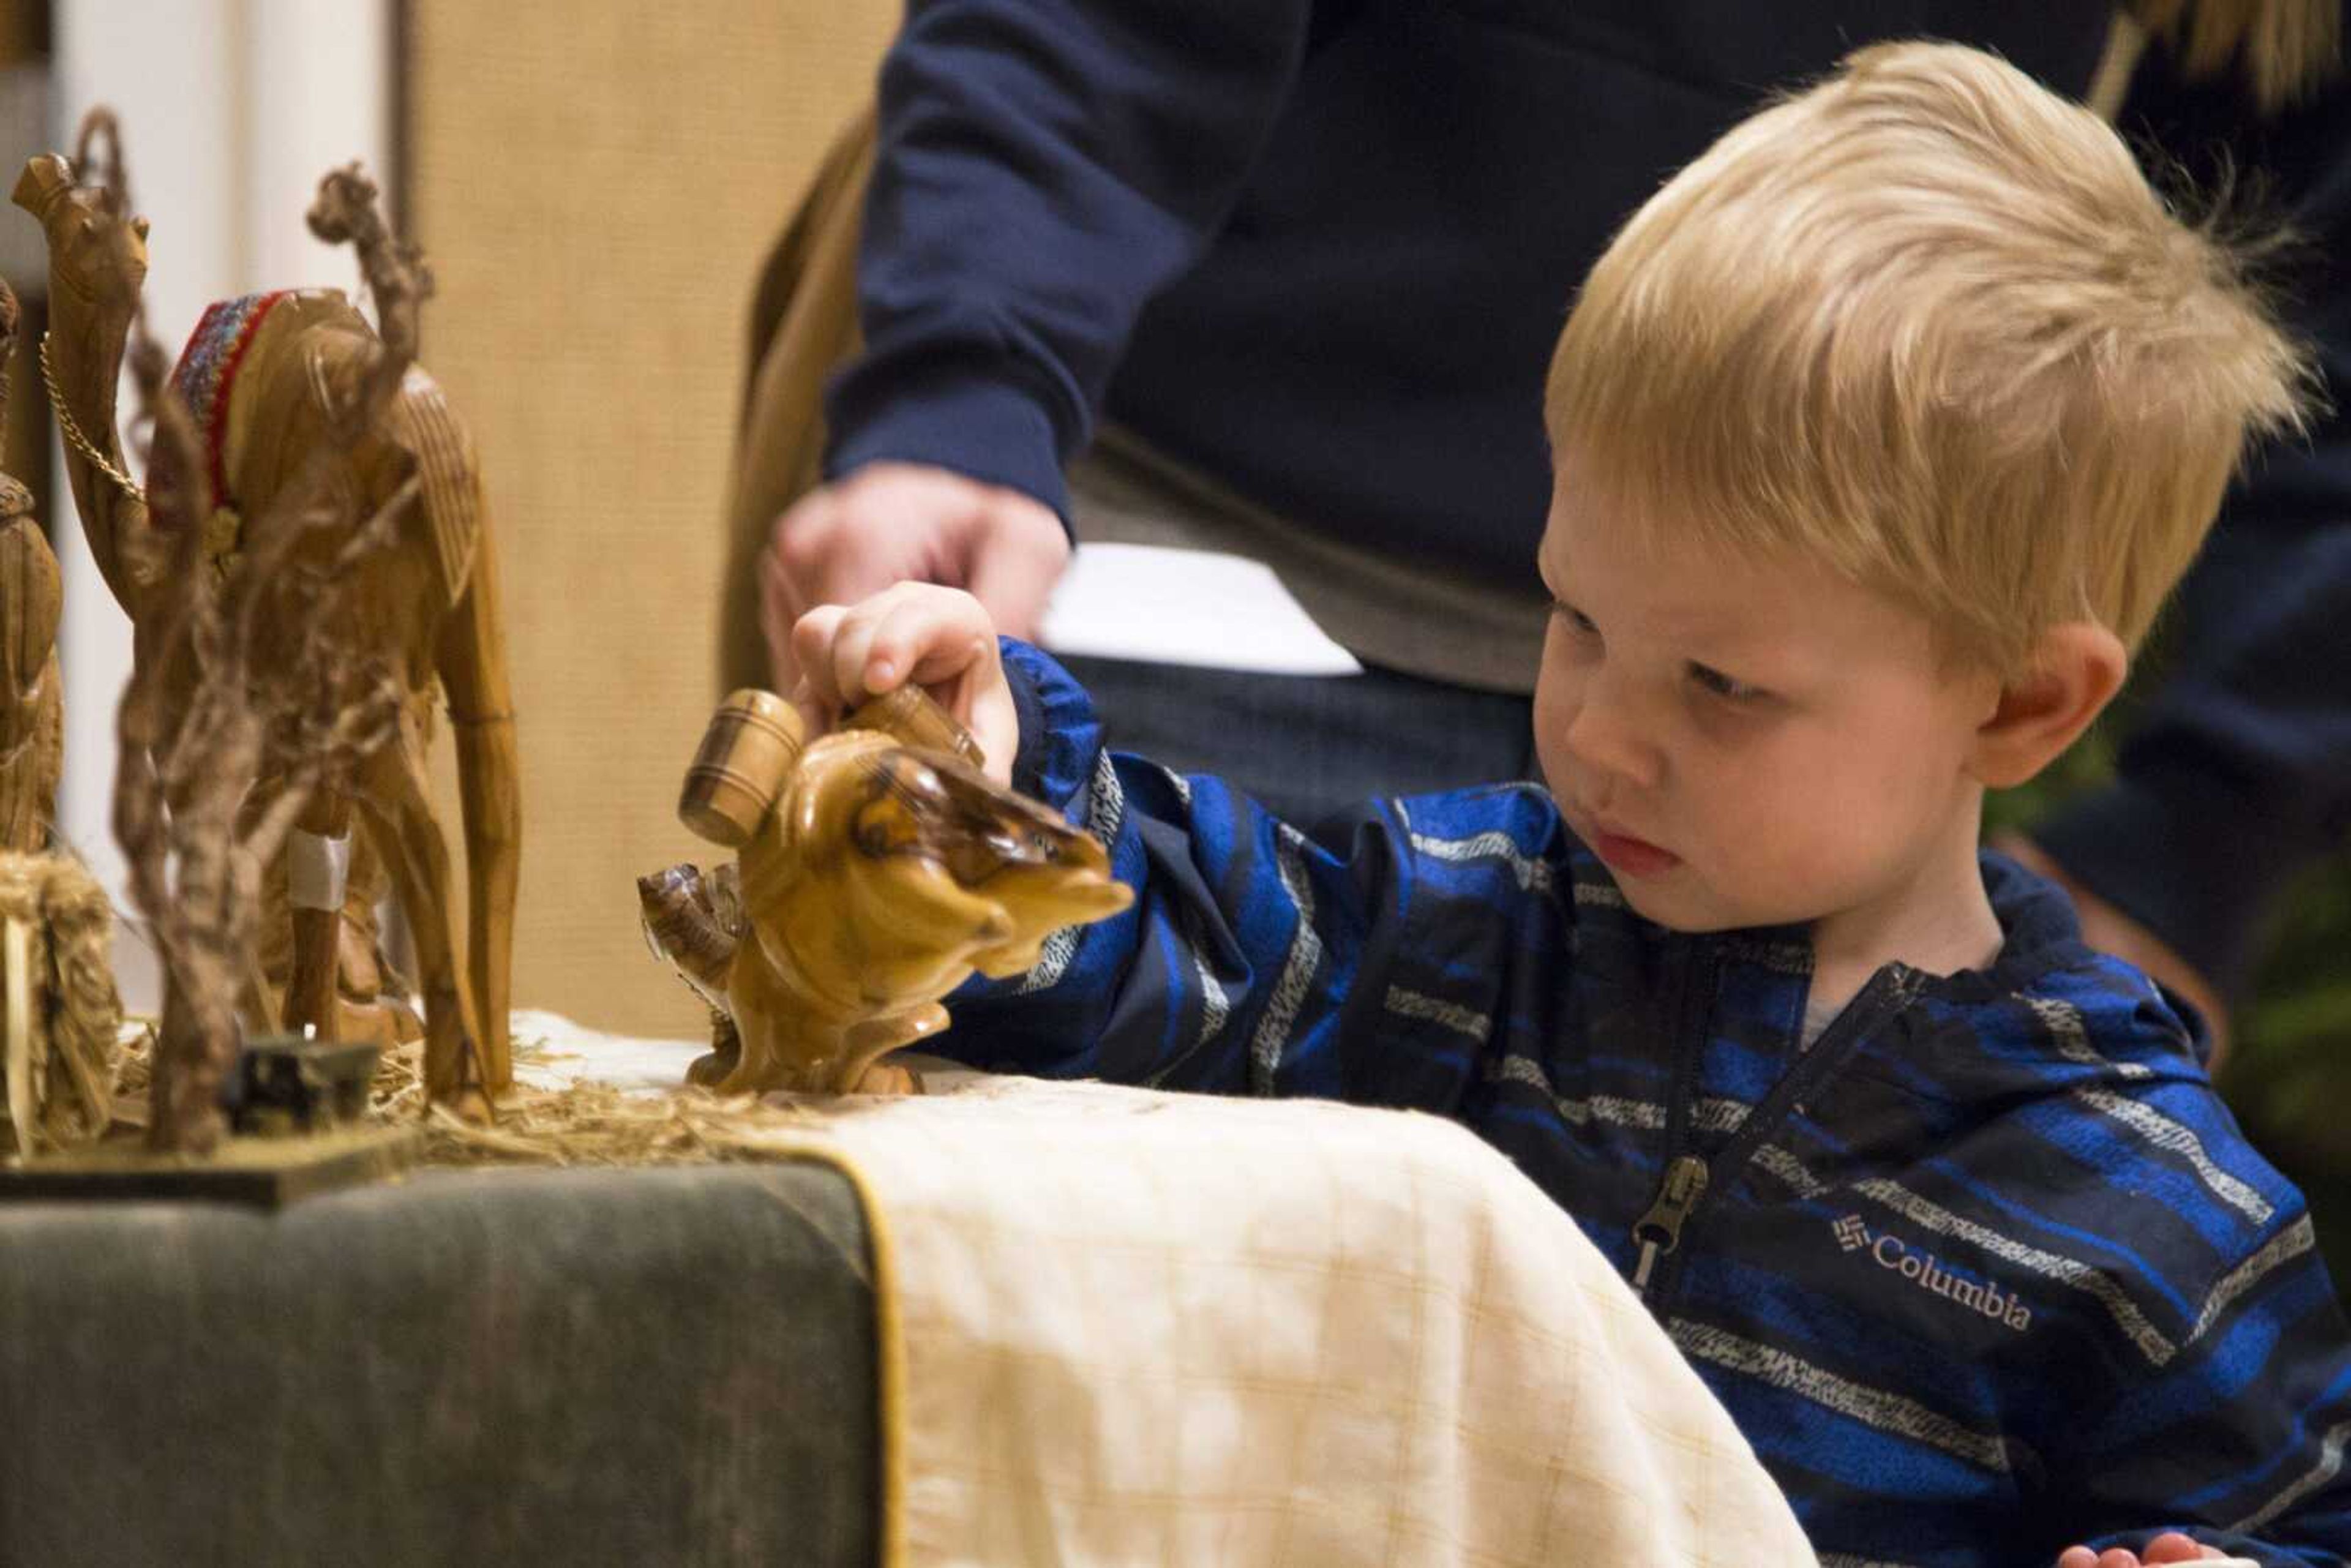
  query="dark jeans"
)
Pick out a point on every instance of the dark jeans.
point(1307, 745)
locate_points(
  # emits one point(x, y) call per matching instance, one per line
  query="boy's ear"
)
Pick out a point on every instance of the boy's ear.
point(2076, 669)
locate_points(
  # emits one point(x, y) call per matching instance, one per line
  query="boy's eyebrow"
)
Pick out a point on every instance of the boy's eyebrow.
point(1733, 648)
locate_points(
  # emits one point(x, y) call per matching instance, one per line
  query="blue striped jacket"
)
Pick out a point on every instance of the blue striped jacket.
point(1987, 1270)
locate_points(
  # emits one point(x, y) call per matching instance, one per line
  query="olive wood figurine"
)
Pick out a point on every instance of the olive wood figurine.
point(58, 1007)
point(263, 378)
point(32, 708)
point(694, 923)
point(878, 868)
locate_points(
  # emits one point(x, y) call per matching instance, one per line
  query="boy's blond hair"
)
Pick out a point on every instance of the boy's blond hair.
point(1926, 323)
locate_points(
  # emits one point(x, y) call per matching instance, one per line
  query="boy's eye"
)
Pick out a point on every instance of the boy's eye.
point(1576, 619)
point(1724, 685)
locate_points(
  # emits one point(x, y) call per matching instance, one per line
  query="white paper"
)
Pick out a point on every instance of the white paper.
point(571, 1053)
point(1168, 606)
point(553, 1052)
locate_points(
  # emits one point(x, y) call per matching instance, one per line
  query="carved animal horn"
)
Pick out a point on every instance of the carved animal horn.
point(101, 121)
point(45, 178)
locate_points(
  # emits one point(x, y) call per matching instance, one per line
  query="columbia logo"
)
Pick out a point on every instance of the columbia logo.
point(1929, 1272)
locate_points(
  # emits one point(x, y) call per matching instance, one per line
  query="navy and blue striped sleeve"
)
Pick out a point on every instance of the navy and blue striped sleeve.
point(1042, 168)
point(1236, 970)
point(2242, 1443)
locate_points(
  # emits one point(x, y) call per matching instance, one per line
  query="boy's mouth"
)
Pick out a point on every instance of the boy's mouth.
point(1632, 856)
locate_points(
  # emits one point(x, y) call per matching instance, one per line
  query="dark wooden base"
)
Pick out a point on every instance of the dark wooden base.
point(267, 1172)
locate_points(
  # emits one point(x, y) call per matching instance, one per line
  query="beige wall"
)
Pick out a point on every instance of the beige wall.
point(595, 185)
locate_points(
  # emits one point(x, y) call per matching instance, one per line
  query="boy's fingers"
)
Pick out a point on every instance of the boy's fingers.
point(910, 630)
point(954, 653)
point(812, 639)
point(852, 649)
point(962, 661)
point(996, 725)
point(939, 639)
point(2077, 1557)
point(882, 637)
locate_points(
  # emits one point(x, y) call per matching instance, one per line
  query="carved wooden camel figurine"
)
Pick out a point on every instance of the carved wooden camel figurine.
point(878, 868)
point(260, 377)
point(32, 708)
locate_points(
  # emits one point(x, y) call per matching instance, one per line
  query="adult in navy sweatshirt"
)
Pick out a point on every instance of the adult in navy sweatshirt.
point(1311, 255)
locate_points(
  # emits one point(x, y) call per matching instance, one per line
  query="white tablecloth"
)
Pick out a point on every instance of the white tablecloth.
point(1131, 1327)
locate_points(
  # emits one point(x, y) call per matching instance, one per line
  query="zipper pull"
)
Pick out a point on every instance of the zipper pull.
point(1659, 1231)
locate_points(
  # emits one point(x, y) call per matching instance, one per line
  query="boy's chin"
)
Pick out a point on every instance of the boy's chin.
point(1688, 912)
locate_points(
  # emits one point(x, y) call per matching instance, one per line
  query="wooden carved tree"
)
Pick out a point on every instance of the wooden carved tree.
point(216, 702)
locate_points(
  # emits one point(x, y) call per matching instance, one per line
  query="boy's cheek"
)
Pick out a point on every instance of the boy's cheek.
point(1552, 778)
point(1551, 713)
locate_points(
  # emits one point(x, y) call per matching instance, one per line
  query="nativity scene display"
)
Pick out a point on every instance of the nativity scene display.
point(309, 576)
point(311, 580)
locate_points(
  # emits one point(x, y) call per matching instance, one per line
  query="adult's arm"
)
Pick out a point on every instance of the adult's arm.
point(2237, 773)
point(1042, 167)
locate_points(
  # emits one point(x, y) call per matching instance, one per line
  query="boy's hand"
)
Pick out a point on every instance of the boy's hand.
point(939, 638)
point(2172, 1547)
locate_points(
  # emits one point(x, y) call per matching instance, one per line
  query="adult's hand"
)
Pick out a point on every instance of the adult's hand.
point(907, 522)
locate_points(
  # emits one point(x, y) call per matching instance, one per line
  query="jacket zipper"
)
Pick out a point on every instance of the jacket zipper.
point(1689, 1182)
point(1659, 1230)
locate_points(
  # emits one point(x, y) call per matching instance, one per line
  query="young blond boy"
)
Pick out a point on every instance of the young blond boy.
point(1880, 433)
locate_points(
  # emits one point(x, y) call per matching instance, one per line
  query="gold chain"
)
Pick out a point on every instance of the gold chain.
point(73, 436)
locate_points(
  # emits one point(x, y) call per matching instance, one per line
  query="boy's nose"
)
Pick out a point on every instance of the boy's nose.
point(1606, 738)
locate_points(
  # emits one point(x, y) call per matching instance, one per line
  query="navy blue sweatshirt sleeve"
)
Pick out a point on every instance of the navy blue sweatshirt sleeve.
point(1257, 959)
point(2237, 774)
point(1042, 167)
